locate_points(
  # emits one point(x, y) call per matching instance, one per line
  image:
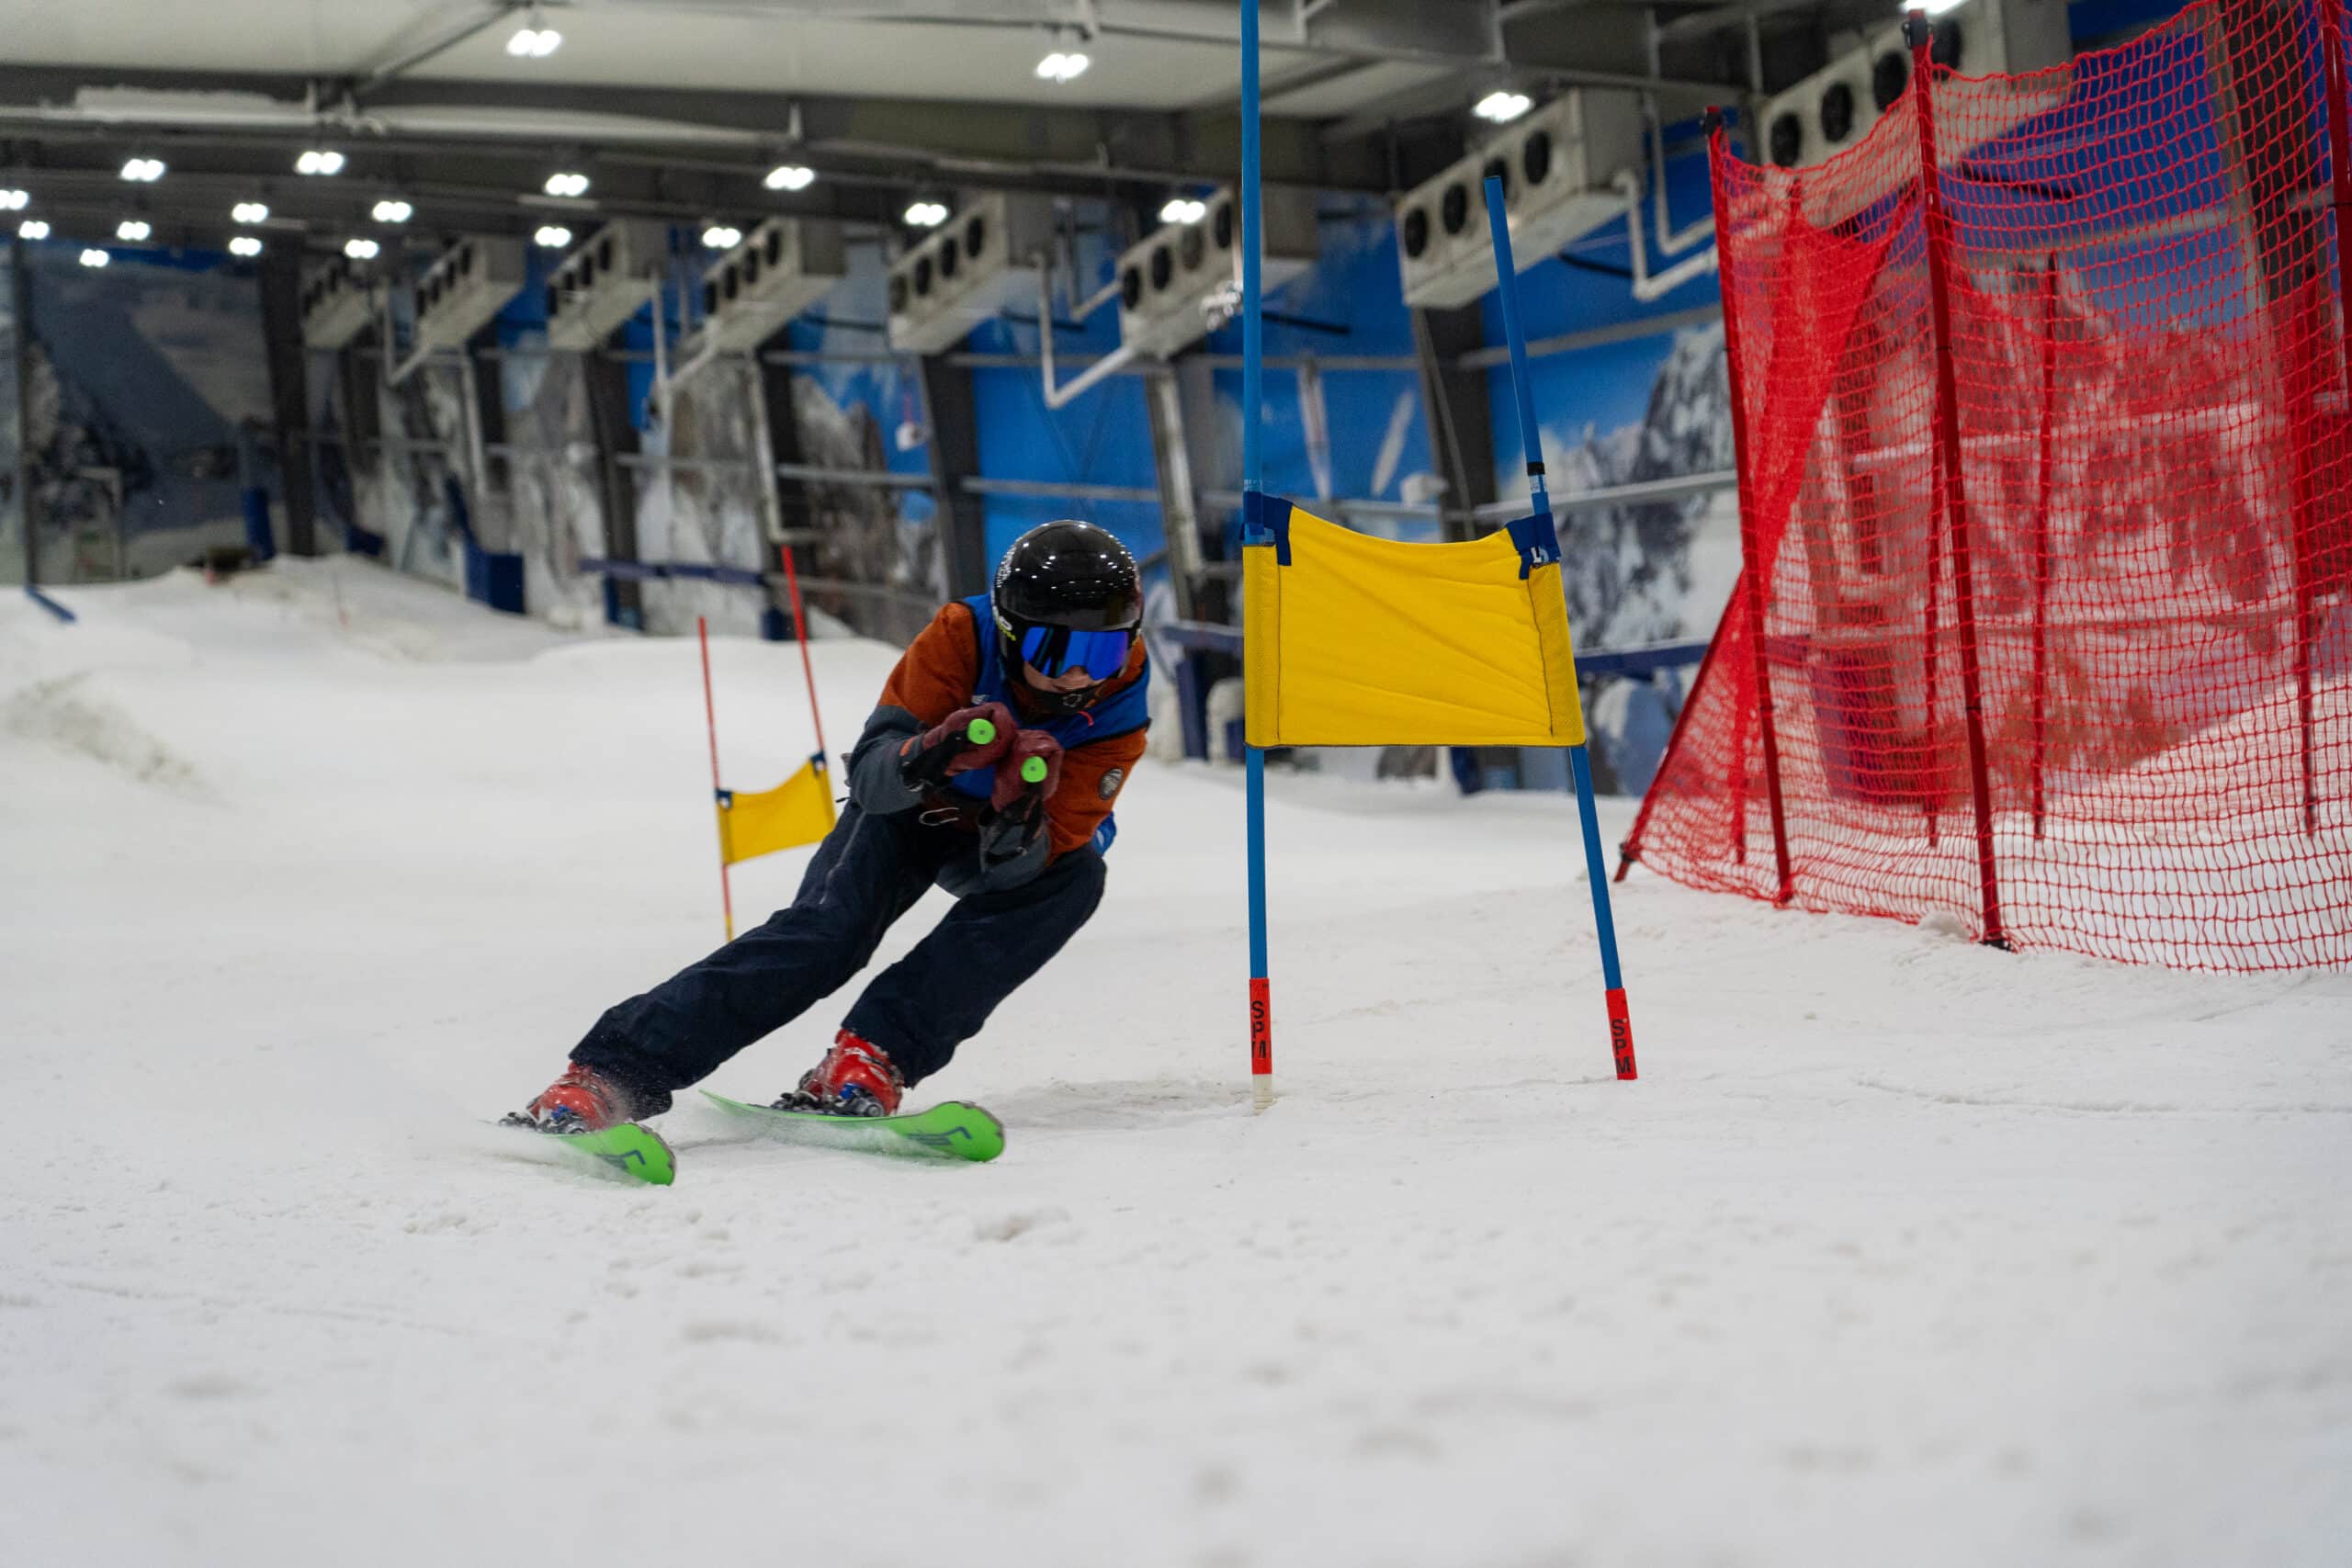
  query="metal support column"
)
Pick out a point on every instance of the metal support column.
point(289, 396)
point(27, 511)
point(776, 439)
point(1459, 413)
point(952, 414)
point(616, 439)
point(1179, 520)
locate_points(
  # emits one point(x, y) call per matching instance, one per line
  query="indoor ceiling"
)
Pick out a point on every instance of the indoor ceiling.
point(676, 108)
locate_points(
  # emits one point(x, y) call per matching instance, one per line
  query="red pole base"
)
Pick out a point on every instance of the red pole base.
point(1261, 1026)
point(1620, 1035)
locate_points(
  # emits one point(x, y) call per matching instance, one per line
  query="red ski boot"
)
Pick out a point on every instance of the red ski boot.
point(854, 1079)
point(582, 1100)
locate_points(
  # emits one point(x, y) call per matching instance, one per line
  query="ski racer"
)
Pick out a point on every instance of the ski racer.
point(990, 768)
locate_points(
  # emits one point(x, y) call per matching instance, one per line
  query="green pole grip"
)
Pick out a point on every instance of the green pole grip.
point(980, 732)
point(1033, 770)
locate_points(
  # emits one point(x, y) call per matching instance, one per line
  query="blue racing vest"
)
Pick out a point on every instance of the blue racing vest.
point(1121, 714)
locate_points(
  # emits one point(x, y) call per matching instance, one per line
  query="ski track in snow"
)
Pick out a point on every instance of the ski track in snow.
point(1902, 1250)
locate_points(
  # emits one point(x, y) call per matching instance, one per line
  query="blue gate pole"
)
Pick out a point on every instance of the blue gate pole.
point(1621, 1026)
point(1253, 473)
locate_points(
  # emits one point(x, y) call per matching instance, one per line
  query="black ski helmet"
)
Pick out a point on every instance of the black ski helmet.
point(1063, 574)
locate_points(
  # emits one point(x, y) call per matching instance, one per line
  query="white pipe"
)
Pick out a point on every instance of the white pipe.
point(1645, 287)
point(1670, 241)
point(1109, 364)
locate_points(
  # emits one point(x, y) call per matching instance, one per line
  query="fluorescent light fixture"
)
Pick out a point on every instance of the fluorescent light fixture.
point(1058, 67)
point(245, 245)
point(318, 160)
point(1503, 107)
point(1938, 7)
point(534, 43)
point(32, 228)
point(1182, 210)
point(13, 200)
point(791, 176)
point(567, 183)
point(553, 237)
point(392, 212)
point(142, 171)
point(133, 229)
point(720, 236)
point(927, 214)
point(361, 250)
point(249, 212)
point(93, 256)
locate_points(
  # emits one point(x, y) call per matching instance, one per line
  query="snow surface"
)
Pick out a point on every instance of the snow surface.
point(1902, 1250)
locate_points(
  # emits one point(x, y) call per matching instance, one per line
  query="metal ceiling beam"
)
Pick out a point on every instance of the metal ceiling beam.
point(1071, 150)
point(440, 44)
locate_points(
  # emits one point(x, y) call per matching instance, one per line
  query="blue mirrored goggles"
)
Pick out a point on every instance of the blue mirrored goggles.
point(1054, 651)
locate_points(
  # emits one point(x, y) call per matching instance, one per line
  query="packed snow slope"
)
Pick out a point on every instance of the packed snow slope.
point(1902, 1250)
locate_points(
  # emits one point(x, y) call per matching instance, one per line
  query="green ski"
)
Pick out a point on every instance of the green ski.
point(950, 1129)
point(625, 1149)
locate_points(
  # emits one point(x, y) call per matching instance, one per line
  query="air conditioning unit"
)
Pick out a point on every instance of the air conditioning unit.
point(749, 294)
point(460, 292)
point(1184, 281)
point(338, 304)
point(1557, 166)
point(1836, 106)
point(605, 282)
point(983, 259)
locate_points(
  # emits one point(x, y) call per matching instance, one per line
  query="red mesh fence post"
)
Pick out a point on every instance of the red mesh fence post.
point(1752, 556)
point(2041, 543)
point(2339, 160)
point(1952, 494)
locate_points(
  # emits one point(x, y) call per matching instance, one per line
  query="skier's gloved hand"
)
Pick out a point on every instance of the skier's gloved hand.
point(1029, 772)
point(967, 739)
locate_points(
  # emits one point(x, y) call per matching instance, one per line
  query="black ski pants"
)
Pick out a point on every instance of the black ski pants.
point(869, 870)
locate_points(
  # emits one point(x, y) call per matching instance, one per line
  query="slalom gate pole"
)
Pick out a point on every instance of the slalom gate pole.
point(710, 719)
point(1253, 474)
point(800, 629)
point(1621, 1024)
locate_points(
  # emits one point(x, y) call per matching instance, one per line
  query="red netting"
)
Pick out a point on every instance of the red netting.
point(2111, 288)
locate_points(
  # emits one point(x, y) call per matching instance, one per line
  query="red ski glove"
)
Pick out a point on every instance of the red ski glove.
point(1028, 773)
point(967, 739)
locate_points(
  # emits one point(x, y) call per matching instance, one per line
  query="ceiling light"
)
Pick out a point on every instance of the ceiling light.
point(1938, 7)
point(245, 245)
point(791, 176)
point(93, 256)
point(534, 39)
point(1058, 67)
point(1182, 210)
point(567, 183)
point(318, 160)
point(249, 212)
point(32, 228)
point(719, 237)
point(131, 229)
point(13, 200)
point(927, 214)
point(1503, 107)
point(145, 171)
point(554, 237)
point(361, 250)
point(392, 212)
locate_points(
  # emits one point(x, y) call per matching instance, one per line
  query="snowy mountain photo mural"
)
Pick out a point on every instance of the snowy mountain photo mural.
point(1650, 572)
